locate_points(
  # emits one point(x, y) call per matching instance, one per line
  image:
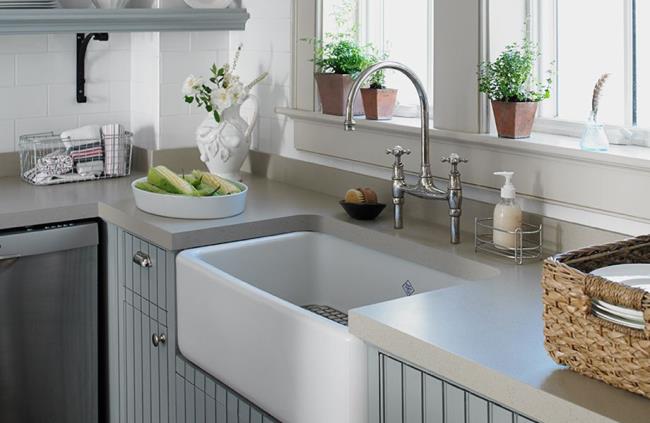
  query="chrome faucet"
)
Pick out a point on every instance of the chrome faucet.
point(425, 187)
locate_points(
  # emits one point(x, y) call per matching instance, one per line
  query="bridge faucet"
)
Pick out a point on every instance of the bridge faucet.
point(425, 187)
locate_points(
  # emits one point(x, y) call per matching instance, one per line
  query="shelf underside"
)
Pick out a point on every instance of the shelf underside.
point(121, 20)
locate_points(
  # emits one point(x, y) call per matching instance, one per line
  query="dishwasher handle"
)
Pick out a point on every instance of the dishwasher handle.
point(8, 261)
point(11, 257)
point(24, 243)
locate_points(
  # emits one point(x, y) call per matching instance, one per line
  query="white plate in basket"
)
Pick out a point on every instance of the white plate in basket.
point(636, 275)
point(184, 207)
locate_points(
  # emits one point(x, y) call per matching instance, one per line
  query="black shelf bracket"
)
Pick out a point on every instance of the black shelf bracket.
point(82, 45)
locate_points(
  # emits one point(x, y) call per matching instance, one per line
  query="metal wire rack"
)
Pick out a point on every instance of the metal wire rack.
point(527, 241)
point(329, 313)
point(47, 159)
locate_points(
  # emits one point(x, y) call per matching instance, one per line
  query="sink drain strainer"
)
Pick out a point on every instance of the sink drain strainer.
point(328, 313)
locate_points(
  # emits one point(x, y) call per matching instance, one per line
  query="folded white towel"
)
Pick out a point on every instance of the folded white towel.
point(85, 133)
point(94, 168)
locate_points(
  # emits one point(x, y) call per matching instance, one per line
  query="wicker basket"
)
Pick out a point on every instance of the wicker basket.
point(574, 337)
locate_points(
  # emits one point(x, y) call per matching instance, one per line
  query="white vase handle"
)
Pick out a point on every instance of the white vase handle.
point(253, 120)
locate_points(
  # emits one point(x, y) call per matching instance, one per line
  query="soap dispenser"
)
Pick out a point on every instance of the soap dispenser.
point(507, 215)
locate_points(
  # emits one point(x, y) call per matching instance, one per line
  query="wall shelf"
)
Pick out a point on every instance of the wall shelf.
point(121, 20)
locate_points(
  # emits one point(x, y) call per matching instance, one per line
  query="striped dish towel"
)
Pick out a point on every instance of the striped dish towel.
point(115, 157)
point(87, 152)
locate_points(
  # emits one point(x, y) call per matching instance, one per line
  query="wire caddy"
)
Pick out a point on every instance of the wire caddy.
point(47, 159)
point(528, 241)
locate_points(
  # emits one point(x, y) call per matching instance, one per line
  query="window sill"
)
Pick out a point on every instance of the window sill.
point(553, 176)
point(546, 144)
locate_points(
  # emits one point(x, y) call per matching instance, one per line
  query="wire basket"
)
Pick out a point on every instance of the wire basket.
point(527, 240)
point(47, 159)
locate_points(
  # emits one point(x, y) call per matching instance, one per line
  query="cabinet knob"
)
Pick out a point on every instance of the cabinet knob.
point(158, 339)
point(142, 260)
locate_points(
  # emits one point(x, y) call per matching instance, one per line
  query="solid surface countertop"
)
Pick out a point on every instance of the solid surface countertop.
point(486, 335)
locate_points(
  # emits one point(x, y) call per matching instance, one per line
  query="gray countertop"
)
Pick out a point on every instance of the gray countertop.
point(485, 335)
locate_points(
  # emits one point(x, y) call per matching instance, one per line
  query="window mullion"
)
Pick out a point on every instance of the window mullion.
point(430, 55)
point(629, 69)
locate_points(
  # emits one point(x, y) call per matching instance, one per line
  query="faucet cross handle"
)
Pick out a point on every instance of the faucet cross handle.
point(453, 159)
point(398, 151)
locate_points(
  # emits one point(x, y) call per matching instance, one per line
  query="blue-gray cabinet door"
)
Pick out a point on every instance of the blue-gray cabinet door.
point(145, 373)
point(140, 305)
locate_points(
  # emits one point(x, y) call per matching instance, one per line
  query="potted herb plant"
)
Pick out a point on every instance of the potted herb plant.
point(378, 101)
point(338, 62)
point(510, 84)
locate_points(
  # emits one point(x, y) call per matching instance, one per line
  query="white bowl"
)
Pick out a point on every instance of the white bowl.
point(208, 4)
point(110, 4)
point(184, 207)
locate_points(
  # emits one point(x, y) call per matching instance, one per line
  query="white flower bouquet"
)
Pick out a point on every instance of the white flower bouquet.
point(222, 90)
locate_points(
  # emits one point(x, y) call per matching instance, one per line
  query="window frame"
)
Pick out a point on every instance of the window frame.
point(539, 11)
point(373, 11)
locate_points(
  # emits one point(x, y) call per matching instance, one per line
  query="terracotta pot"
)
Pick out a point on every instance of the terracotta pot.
point(333, 89)
point(514, 119)
point(379, 104)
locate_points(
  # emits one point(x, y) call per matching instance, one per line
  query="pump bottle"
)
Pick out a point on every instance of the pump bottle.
point(507, 215)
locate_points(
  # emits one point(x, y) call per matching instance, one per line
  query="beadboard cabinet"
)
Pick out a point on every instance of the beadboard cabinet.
point(401, 393)
point(149, 380)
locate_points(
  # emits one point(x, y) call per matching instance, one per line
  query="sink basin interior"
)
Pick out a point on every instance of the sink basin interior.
point(307, 268)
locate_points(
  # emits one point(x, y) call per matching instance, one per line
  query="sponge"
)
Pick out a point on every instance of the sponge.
point(361, 196)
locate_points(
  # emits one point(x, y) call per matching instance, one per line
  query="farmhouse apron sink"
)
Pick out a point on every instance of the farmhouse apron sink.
point(244, 317)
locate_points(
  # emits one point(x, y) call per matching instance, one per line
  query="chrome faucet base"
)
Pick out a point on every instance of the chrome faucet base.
point(425, 188)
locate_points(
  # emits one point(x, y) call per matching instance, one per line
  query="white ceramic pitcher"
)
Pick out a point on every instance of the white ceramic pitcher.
point(224, 146)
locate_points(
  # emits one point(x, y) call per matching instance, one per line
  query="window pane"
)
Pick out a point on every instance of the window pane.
point(406, 38)
point(339, 16)
point(643, 63)
point(591, 41)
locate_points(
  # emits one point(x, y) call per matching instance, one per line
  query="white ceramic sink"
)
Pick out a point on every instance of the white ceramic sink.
point(240, 318)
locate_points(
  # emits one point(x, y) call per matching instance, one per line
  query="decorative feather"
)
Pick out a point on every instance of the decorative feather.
point(598, 91)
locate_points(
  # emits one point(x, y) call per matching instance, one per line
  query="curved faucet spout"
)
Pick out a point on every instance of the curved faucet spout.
point(426, 179)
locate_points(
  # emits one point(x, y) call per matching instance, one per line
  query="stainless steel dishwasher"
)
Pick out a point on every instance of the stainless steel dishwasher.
point(49, 324)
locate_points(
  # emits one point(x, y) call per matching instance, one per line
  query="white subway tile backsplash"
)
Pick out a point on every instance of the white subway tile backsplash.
point(48, 68)
point(179, 131)
point(7, 136)
point(123, 118)
point(253, 63)
point(23, 43)
point(176, 66)
point(272, 96)
point(268, 9)
point(172, 102)
point(209, 40)
point(62, 99)
point(119, 65)
point(108, 66)
point(135, 79)
point(265, 35)
point(7, 67)
point(120, 96)
point(120, 41)
point(20, 102)
point(61, 42)
point(174, 41)
point(37, 82)
point(44, 124)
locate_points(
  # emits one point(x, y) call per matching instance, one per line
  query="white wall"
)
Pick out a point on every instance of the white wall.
point(268, 41)
point(182, 54)
point(37, 84)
